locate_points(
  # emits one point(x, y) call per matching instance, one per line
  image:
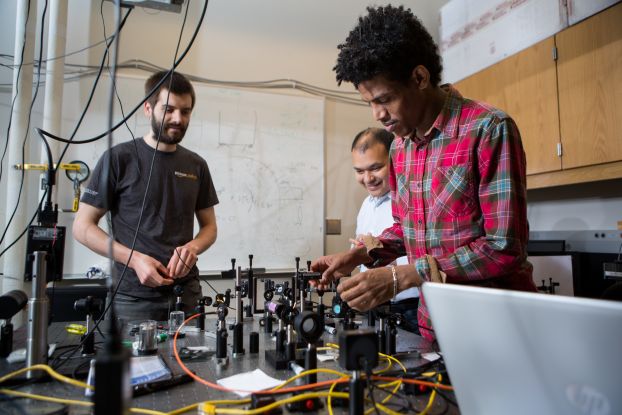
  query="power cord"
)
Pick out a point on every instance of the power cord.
point(155, 88)
point(132, 247)
point(32, 103)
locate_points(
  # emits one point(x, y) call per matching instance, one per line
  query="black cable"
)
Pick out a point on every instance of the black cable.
point(19, 71)
point(92, 93)
point(287, 84)
point(75, 52)
point(101, 13)
point(51, 170)
point(408, 406)
point(118, 284)
point(76, 369)
point(447, 398)
point(32, 103)
point(155, 88)
point(28, 226)
point(142, 207)
point(105, 174)
point(210, 285)
point(368, 372)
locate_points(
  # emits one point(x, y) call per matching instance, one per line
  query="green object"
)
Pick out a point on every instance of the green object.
point(162, 337)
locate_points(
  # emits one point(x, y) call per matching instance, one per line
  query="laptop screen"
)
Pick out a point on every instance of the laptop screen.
point(511, 352)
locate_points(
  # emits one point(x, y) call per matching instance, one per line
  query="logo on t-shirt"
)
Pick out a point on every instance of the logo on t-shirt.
point(186, 175)
point(90, 191)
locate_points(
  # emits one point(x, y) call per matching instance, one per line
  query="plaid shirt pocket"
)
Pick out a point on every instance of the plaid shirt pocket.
point(452, 193)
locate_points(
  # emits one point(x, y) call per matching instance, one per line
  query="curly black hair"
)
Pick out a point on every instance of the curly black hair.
point(389, 41)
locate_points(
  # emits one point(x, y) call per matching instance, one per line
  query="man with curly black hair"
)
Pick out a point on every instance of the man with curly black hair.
point(457, 176)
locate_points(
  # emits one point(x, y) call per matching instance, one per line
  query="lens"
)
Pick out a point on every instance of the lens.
point(308, 325)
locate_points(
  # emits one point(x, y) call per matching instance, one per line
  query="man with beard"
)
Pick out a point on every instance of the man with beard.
point(157, 186)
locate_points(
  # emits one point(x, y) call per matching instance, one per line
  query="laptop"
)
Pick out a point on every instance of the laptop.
point(510, 352)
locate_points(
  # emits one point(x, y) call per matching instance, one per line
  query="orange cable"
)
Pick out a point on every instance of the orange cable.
point(415, 382)
point(294, 388)
point(224, 389)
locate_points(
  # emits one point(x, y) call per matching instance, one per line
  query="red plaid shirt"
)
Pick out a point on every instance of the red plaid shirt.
point(459, 195)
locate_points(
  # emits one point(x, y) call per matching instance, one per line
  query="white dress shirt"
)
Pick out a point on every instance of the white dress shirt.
point(373, 218)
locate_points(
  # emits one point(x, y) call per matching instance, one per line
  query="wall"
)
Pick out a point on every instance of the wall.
point(589, 206)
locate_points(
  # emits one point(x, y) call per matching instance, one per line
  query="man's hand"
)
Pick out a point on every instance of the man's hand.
point(181, 262)
point(368, 289)
point(338, 265)
point(150, 271)
point(371, 288)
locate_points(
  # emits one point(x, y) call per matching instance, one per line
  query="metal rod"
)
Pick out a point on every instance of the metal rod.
point(37, 342)
point(238, 295)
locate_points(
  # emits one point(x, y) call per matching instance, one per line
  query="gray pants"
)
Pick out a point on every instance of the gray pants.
point(129, 308)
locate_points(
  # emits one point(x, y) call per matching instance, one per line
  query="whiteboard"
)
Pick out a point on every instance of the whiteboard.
point(265, 152)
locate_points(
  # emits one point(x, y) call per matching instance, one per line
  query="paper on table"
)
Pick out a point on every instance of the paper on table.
point(432, 356)
point(249, 382)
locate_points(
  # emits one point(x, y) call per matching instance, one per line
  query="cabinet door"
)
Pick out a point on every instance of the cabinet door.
point(525, 86)
point(590, 89)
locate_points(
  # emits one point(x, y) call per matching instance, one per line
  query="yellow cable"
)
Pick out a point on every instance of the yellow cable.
point(391, 358)
point(385, 369)
point(214, 402)
point(432, 397)
point(146, 411)
point(386, 356)
point(397, 384)
point(281, 402)
point(310, 372)
point(51, 372)
point(388, 397)
point(11, 392)
point(329, 403)
point(387, 410)
point(388, 385)
point(71, 401)
point(184, 409)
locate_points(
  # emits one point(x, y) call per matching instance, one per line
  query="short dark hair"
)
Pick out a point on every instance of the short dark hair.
point(369, 136)
point(389, 41)
point(177, 84)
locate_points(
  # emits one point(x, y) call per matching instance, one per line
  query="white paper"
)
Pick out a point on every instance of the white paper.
point(246, 383)
point(432, 356)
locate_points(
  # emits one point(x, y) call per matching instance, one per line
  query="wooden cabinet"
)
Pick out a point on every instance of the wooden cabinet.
point(590, 89)
point(568, 110)
point(525, 87)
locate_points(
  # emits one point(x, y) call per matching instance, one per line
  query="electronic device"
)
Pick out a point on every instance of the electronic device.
point(510, 352)
point(11, 303)
point(50, 239)
point(613, 270)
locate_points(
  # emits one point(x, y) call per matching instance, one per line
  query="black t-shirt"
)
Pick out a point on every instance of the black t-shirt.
point(180, 185)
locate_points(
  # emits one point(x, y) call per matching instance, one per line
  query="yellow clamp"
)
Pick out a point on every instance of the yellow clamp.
point(75, 329)
point(44, 167)
point(207, 408)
